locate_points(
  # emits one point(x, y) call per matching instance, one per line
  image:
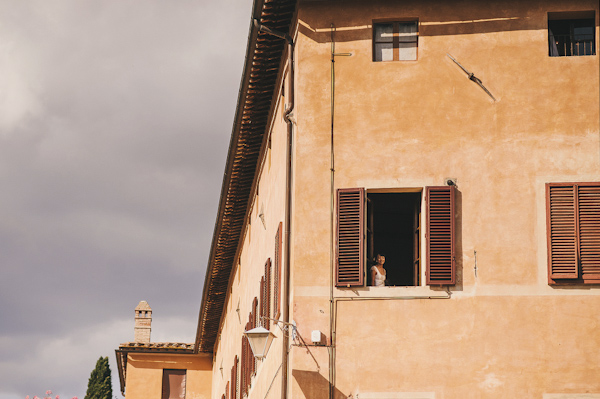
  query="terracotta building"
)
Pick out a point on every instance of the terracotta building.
point(458, 139)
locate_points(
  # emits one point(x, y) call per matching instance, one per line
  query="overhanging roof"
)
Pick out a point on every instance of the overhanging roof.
point(263, 59)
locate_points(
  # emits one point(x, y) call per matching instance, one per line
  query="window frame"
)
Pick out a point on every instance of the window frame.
point(395, 38)
point(585, 211)
point(350, 244)
point(166, 391)
point(572, 18)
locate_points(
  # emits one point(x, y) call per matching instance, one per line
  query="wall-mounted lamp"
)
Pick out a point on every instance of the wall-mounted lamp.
point(260, 338)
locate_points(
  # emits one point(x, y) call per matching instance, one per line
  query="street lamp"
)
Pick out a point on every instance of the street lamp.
point(260, 340)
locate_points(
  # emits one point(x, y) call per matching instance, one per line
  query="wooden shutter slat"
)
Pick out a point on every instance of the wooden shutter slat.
point(562, 232)
point(267, 321)
point(440, 236)
point(350, 258)
point(261, 309)
point(245, 372)
point(254, 323)
point(233, 393)
point(589, 231)
point(277, 271)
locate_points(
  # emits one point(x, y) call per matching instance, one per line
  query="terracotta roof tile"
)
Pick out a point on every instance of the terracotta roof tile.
point(176, 346)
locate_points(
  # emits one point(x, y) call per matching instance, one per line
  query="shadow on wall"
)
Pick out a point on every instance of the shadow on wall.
point(314, 385)
point(356, 24)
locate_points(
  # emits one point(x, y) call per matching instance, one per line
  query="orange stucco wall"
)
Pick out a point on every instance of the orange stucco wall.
point(504, 331)
point(145, 372)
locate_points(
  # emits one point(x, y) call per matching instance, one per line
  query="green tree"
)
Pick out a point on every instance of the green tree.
point(100, 384)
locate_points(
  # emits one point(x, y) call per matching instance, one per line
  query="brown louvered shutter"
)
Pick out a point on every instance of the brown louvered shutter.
point(350, 258)
point(561, 205)
point(573, 218)
point(263, 302)
point(254, 313)
point(267, 312)
point(589, 232)
point(440, 236)
point(234, 379)
point(226, 394)
point(254, 316)
point(244, 374)
point(277, 277)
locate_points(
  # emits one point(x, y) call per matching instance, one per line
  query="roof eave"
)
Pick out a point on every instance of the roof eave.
point(245, 145)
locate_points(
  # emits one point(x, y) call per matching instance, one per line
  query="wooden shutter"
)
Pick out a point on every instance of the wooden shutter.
point(263, 302)
point(267, 295)
point(573, 229)
point(234, 379)
point(254, 323)
point(245, 372)
point(440, 236)
point(350, 257)
point(277, 271)
point(254, 313)
point(226, 394)
point(589, 231)
point(561, 205)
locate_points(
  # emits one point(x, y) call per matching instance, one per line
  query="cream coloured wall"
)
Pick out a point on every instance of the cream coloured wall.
point(145, 371)
point(257, 246)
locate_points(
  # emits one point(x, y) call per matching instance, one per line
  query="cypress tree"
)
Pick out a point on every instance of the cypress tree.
point(100, 384)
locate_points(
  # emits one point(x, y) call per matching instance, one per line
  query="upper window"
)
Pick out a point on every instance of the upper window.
point(390, 222)
point(571, 33)
point(173, 384)
point(573, 218)
point(395, 41)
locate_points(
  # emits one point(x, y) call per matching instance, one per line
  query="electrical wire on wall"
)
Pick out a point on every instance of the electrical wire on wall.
point(331, 223)
point(332, 219)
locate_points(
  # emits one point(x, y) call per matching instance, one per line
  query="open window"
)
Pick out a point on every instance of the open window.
point(173, 384)
point(393, 230)
point(389, 223)
point(571, 33)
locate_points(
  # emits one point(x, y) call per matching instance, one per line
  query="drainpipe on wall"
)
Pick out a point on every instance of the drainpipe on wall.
point(288, 217)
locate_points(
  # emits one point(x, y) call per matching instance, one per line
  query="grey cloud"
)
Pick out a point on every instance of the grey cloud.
point(113, 136)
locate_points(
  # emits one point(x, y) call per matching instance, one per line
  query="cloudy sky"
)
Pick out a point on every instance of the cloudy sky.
point(115, 117)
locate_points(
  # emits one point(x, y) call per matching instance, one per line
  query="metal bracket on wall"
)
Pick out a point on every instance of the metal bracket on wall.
point(472, 77)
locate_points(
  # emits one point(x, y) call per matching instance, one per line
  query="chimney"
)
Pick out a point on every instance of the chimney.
point(143, 321)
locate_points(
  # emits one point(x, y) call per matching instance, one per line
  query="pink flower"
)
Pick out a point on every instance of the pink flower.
point(27, 397)
point(57, 397)
point(48, 392)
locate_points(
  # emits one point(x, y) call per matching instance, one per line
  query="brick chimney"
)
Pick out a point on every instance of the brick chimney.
point(143, 321)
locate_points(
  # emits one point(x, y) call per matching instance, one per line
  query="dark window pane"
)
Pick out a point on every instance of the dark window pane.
point(569, 37)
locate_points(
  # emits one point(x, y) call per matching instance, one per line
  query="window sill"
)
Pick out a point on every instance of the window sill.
point(389, 292)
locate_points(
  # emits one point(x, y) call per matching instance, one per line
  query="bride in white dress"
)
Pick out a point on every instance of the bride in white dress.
point(378, 272)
